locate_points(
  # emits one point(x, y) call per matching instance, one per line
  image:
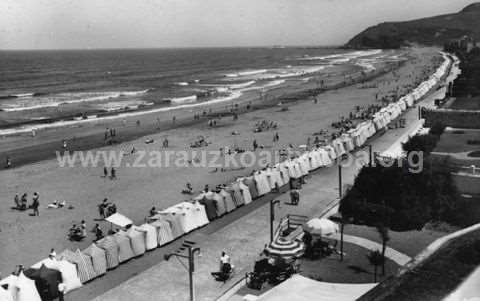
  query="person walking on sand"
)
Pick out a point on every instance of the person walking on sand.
point(35, 204)
point(255, 144)
point(17, 202)
point(105, 172)
point(113, 173)
point(8, 162)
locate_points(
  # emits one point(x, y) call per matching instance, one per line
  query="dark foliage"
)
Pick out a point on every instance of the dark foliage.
point(436, 30)
point(402, 200)
point(468, 82)
point(425, 143)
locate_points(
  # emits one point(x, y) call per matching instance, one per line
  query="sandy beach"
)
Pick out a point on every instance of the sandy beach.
point(26, 239)
point(23, 148)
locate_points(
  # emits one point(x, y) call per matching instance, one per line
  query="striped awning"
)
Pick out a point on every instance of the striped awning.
point(285, 248)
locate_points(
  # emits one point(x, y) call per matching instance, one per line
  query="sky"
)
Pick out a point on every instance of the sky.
point(82, 24)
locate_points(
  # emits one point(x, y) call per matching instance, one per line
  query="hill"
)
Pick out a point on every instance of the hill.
point(428, 31)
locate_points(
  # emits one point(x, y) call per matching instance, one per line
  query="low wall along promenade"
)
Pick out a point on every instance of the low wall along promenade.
point(452, 118)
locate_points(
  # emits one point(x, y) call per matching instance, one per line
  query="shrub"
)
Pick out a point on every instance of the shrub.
point(401, 200)
point(424, 143)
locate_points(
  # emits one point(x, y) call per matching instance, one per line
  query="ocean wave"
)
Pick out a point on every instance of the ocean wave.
point(342, 56)
point(181, 84)
point(30, 128)
point(246, 73)
point(186, 99)
point(65, 98)
point(21, 95)
point(292, 72)
point(267, 85)
point(226, 87)
point(24, 95)
point(367, 64)
point(118, 105)
point(241, 85)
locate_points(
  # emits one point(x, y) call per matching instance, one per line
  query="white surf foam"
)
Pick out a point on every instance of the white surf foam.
point(246, 73)
point(29, 128)
point(65, 98)
point(267, 85)
point(186, 99)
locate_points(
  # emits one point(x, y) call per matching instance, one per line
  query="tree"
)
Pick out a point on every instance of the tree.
point(383, 231)
point(376, 259)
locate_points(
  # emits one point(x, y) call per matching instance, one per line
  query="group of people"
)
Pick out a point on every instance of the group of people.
point(106, 208)
point(109, 135)
point(212, 122)
point(113, 171)
point(78, 232)
point(21, 203)
point(360, 113)
point(265, 125)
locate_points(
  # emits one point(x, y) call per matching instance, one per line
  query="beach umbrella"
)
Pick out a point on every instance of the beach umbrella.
point(321, 226)
point(285, 248)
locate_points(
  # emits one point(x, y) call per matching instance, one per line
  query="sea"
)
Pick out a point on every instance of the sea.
point(44, 86)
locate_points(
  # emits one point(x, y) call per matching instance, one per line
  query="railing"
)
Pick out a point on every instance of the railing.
point(471, 170)
point(289, 222)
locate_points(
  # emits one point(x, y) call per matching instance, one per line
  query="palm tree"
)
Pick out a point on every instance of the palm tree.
point(383, 231)
point(376, 259)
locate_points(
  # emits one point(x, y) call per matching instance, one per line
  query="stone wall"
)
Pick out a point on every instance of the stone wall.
point(467, 184)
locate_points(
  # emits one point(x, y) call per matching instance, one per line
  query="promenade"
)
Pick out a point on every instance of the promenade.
point(247, 236)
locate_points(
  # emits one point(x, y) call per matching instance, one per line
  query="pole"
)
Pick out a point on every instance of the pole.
point(190, 272)
point(370, 161)
point(341, 240)
point(340, 181)
point(272, 217)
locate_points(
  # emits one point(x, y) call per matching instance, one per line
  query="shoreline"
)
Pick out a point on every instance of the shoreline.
point(28, 154)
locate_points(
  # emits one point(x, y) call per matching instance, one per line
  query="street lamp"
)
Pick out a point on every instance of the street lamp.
point(340, 180)
point(191, 264)
point(272, 216)
point(370, 155)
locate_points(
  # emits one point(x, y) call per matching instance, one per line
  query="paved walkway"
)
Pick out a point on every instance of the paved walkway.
point(244, 238)
point(390, 253)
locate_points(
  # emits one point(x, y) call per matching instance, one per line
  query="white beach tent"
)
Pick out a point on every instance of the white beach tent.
point(119, 220)
point(299, 288)
point(5, 295)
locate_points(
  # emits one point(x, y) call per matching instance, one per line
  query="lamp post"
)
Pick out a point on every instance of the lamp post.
point(370, 153)
point(340, 180)
point(191, 263)
point(272, 216)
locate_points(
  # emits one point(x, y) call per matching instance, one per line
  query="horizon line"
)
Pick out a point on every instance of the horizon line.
point(170, 47)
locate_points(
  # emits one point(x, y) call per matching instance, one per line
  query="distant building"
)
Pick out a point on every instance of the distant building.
point(465, 43)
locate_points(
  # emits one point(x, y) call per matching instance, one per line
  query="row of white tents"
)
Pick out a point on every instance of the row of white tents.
point(81, 266)
point(393, 110)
